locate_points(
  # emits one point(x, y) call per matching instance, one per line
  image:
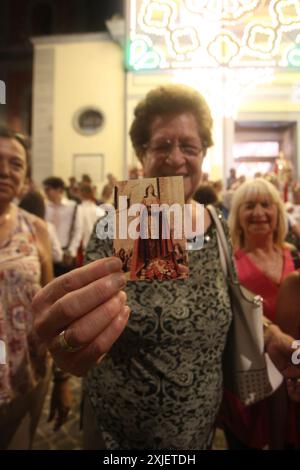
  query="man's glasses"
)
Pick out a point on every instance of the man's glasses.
point(165, 148)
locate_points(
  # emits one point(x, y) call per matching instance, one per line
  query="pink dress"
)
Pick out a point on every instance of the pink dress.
point(255, 280)
point(251, 425)
point(20, 274)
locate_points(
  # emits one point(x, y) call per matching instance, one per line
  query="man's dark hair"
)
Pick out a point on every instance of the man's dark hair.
point(34, 203)
point(206, 194)
point(54, 182)
point(86, 178)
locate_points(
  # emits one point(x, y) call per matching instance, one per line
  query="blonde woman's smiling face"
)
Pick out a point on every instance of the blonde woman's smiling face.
point(258, 216)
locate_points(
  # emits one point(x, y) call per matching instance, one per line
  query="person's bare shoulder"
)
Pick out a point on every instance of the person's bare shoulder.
point(40, 227)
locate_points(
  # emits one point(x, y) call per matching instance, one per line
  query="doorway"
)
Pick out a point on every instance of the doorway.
point(258, 144)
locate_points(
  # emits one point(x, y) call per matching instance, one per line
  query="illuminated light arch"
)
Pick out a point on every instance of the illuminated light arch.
point(185, 40)
point(287, 12)
point(183, 33)
point(284, 60)
point(149, 61)
point(226, 10)
point(225, 88)
point(138, 48)
point(186, 61)
point(236, 43)
point(293, 56)
point(224, 48)
point(196, 6)
point(156, 16)
point(262, 41)
point(142, 56)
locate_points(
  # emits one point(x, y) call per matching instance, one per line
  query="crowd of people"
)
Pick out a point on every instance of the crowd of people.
point(70, 213)
point(25, 266)
point(42, 234)
point(150, 352)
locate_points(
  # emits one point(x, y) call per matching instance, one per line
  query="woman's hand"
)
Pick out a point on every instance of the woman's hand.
point(88, 308)
point(61, 402)
point(293, 389)
point(279, 346)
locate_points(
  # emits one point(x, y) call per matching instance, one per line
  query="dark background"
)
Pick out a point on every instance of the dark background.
point(21, 20)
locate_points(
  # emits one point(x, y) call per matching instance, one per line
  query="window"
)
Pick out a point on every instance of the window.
point(88, 121)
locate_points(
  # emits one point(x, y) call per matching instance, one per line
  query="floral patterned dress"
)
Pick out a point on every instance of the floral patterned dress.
point(20, 274)
point(160, 386)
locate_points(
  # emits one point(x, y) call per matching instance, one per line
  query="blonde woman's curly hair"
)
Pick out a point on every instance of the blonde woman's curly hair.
point(166, 100)
point(255, 188)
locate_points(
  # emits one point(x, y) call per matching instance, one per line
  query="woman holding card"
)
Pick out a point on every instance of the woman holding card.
point(154, 380)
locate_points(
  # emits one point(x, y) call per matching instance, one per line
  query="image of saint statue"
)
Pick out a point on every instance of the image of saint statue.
point(154, 254)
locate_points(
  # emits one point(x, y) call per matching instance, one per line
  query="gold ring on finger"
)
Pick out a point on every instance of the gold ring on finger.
point(63, 343)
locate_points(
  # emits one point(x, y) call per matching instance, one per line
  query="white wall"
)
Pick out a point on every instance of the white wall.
point(83, 70)
point(87, 71)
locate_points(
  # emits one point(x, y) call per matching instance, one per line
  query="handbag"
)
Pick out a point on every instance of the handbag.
point(248, 370)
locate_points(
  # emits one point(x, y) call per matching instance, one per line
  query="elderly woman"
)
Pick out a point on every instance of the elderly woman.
point(155, 379)
point(263, 261)
point(25, 266)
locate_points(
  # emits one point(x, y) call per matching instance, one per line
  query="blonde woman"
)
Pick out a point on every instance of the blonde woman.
point(258, 228)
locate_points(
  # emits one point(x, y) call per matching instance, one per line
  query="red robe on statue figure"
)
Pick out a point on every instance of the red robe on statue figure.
point(153, 250)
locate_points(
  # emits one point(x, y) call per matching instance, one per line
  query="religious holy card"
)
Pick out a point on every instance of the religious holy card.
point(150, 228)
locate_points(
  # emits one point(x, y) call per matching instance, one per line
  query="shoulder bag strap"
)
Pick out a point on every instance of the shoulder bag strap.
point(223, 245)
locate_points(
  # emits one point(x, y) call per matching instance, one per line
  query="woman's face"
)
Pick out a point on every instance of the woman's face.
point(150, 191)
point(12, 169)
point(175, 149)
point(258, 216)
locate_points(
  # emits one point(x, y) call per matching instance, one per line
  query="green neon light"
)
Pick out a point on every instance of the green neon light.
point(142, 57)
point(294, 56)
